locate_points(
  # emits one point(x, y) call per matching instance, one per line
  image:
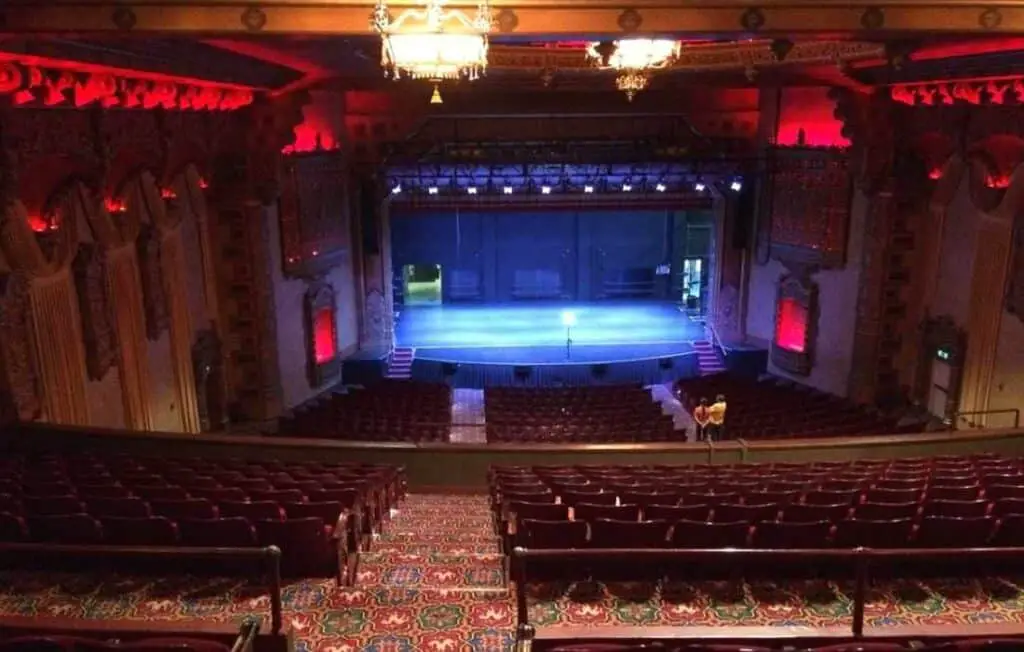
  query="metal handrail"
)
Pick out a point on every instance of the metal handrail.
point(860, 557)
point(271, 555)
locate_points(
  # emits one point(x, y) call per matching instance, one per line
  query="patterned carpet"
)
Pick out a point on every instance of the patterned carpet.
point(433, 583)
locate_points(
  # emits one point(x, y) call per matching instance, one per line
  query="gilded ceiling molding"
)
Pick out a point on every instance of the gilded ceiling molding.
point(697, 57)
point(548, 17)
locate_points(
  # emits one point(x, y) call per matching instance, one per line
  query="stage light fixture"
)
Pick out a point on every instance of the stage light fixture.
point(507, 190)
point(568, 318)
point(736, 186)
point(699, 187)
point(396, 190)
point(545, 190)
point(432, 190)
point(588, 189)
point(626, 187)
point(471, 190)
point(660, 187)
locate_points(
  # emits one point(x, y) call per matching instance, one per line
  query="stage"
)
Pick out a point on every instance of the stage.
point(525, 343)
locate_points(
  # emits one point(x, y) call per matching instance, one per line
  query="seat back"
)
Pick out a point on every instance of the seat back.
point(554, 534)
point(608, 533)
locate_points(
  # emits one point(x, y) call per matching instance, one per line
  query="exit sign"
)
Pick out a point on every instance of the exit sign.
point(943, 354)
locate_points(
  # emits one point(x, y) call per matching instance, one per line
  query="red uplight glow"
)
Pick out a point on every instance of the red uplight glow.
point(999, 181)
point(115, 205)
point(807, 118)
point(791, 325)
point(203, 184)
point(167, 193)
point(40, 224)
point(325, 344)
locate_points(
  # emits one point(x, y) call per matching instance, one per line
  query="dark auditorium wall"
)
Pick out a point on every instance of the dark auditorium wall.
point(582, 247)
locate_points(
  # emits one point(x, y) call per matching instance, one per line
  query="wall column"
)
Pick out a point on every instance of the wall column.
point(172, 263)
point(57, 338)
point(125, 294)
point(991, 263)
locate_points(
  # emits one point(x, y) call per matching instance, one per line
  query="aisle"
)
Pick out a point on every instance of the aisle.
point(436, 542)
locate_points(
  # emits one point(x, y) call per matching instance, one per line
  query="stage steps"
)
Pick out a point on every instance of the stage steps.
point(400, 364)
point(708, 358)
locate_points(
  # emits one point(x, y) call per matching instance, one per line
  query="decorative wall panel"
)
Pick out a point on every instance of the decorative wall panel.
point(1015, 286)
point(19, 382)
point(314, 213)
point(796, 323)
point(94, 306)
point(153, 296)
point(810, 204)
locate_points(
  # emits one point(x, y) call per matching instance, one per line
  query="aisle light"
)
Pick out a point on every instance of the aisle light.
point(432, 190)
point(588, 189)
point(660, 187)
point(626, 187)
point(507, 190)
point(736, 186)
point(699, 187)
point(397, 189)
point(471, 190)
point(545, 190)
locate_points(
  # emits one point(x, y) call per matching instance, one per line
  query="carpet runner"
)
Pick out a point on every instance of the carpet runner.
point(433, 583)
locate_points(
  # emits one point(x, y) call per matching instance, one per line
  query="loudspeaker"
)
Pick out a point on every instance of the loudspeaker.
point(599, 370)
point(368, 208)
point(665, 363)
point(449, 368)
point(746, 209)
point(522, 372)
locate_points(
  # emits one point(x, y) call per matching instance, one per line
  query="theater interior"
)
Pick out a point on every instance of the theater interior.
point(374, 326)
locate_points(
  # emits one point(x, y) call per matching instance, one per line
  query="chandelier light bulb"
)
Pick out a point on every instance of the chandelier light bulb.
point(588, 189)
point(432, 190)
point(507, 190)
point(545, 190)
point(634, 60)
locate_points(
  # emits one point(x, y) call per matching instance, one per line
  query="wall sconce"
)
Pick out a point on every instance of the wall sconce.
point(168, 194)
point(203, 183)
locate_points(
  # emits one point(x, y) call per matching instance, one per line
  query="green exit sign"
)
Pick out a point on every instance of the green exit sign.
point(943, 354)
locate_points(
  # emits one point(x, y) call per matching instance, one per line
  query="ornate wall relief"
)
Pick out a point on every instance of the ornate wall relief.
point(314, 213)
point(94, 307)
point(811, 189)
point(796, 322)
point(322, 335)
point(375, 318)
point(19, 382)
point(153, 298)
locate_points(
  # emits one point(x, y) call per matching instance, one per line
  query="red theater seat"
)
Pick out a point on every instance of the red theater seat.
point(12, 528)
point(589, 512)
point(235, 532)
point(306, 549)
point(152, 531)
point(67, 528)
point(117, 507)
point(606, 533)
point(260, 511)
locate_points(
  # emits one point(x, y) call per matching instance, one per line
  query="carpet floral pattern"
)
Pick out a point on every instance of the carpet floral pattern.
point(430, 585)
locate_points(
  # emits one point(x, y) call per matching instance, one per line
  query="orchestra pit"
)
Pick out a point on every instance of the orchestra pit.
point(495, 327)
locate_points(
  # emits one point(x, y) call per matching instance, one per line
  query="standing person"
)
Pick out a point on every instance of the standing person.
point(702, 416)
point(716, 429)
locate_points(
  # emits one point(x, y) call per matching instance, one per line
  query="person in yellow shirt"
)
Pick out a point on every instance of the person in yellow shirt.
point(716, 416)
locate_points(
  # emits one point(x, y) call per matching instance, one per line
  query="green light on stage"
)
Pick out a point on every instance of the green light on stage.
point(943, 354)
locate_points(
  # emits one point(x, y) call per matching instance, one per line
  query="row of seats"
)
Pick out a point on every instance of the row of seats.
point(125, 500)
point(83, 644)
point(576, 415)
point(770, 408)
point(932, 532)
point(387, 411)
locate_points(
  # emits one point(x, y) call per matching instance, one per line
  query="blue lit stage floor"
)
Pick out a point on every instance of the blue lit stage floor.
point(533, 333)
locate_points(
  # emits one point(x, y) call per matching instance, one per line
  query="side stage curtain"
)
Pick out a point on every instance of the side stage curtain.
point(60, 351)
point(991, 261)
point(125, 291)
point(172, 263)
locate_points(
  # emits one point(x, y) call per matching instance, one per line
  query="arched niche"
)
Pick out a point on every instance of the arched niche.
point(323, 360)
point(796, 322)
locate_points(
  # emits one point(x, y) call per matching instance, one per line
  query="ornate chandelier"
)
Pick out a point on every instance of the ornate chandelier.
point(433, 43)
point(633, 59)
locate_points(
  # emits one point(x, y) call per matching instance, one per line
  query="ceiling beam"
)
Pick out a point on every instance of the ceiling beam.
point(523, 17)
